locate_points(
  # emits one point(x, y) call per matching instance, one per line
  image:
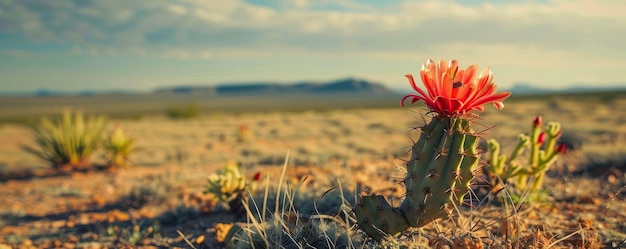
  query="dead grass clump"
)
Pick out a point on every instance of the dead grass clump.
point(277, 223)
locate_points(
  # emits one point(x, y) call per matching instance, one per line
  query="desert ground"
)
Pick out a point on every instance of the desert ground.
point(159, 201)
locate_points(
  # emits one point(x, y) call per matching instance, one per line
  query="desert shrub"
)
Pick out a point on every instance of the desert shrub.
point(66, 140)
point(118, 147)
point(190, 110)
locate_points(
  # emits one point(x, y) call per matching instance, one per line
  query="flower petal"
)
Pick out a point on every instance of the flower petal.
point(453, 92)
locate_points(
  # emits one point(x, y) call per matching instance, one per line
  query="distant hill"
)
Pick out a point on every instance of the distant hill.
point(349, 85)
point(527, 89)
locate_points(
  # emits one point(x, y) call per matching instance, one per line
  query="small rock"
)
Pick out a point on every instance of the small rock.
point(117, 215)
point(200, 239)
point(57, 243)
point(58, 223)
point(72, 239)
point(70, 224)
point(591, 200)
point(89, 245)
point(221, 230)
point(69, 245)
point(26, 243)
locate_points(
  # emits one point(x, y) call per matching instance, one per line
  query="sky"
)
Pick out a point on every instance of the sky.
point(140, 45)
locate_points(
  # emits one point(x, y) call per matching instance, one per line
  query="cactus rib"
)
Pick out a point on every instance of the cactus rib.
point(441, 166)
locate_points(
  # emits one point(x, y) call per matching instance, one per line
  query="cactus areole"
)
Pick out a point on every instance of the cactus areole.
point(444, 158)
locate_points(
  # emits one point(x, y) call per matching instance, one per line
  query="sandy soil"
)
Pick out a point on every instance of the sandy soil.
point(159, 200)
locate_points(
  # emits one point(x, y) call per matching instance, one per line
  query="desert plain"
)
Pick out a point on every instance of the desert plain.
point(159, 201)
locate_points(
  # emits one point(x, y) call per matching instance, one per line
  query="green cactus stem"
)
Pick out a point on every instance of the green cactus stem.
point(543, 152)
point(442, 164)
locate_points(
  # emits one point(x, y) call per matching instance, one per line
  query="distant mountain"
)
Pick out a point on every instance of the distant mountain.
point(349, 85)
point(527, 89)
point(189, 90)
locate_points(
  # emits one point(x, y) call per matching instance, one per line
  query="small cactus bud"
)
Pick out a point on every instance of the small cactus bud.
point(257, 176)
point(561, 148)
point(541, 138)
point(537, 121)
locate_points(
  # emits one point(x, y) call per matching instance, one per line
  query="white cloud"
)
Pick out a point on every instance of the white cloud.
point(223, 25)
point(560, 34)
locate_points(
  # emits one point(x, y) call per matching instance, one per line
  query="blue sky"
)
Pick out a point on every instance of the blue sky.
point(144, 44)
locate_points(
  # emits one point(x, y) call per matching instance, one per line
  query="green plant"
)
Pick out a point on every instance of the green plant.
point(134, 234)
point(190, 110)
point(230, 186)
point(118, 147)
point(66, 140)
point(543, 152)
point(444, 158)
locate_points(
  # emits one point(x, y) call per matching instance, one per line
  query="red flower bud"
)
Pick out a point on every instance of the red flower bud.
point(537, 121)
point(257, 176)
point(541, 138)
point(561, 148)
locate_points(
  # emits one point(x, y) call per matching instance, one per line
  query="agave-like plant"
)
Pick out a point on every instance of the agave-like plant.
point(118, 147)
point(66, 140)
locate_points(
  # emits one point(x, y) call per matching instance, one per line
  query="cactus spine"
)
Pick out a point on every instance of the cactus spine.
point(441, 166)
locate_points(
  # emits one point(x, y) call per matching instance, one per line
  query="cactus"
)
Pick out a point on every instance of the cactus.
point(441, 166)
point(544, 151)
point(226, 184)
point(229, 186)
point(444, 158)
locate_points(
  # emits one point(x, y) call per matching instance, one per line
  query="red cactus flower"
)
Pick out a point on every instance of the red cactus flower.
point(541, 138)
point(454, 92)
point(561, 148)
point(537, 121)
point(257, 176)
